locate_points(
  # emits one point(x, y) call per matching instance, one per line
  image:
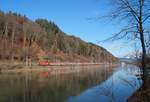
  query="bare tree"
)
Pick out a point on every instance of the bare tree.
point(13, 31)
point(135, 15)
point(12, 42)
point(5, 38)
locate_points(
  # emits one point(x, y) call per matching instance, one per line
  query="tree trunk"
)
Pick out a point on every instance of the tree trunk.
point(24, 44)
point(143, 51)
point(141, 31)
point(5, 39)
point(12, 43)
point(24, 39)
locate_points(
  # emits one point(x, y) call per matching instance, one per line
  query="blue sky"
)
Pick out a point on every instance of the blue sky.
point(72, 16)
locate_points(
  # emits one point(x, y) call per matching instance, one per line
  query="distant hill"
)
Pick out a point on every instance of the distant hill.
point(128, 60)
point(21, 38)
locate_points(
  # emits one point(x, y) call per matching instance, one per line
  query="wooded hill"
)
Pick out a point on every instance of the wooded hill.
point(21, 38)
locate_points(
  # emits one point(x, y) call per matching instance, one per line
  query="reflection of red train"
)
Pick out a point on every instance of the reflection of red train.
point(43, 63)
point(44, 74)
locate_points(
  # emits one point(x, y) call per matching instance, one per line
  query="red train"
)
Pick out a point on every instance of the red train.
point(43, 63)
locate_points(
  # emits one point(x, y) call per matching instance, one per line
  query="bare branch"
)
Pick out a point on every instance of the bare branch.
point(120, 35)
point(132, 11)
point(146, 18)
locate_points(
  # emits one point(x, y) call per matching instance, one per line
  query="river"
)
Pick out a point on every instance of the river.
point(104, 84)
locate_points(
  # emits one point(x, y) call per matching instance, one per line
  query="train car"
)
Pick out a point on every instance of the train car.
point(43, 63)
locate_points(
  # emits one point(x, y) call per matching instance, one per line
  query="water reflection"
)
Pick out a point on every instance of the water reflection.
point(34, 87)
point(85, 86)
point(118, 88)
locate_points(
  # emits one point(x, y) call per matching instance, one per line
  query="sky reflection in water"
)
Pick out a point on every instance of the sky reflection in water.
point(118, 88)
point(92, 85)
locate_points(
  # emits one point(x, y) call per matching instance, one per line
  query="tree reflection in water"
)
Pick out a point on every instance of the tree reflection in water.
point(89, 85)
point(31, 87)
point(118, 88)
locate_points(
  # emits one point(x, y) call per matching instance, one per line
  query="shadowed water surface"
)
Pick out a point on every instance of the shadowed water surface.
point(91, 85)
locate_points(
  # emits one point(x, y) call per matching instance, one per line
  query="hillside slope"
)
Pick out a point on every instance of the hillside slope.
point(21, 38)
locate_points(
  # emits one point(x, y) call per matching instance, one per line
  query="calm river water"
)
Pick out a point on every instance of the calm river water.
point(93, 85)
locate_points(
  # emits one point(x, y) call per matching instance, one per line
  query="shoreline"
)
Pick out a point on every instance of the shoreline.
point(143, 94)
point(53, 68)
point(140, 95)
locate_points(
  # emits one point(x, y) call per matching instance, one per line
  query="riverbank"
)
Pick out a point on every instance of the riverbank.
point(53, 68)
point(143, 94)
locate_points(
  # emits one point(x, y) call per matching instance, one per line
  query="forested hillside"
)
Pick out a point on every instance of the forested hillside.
point(21, 38)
